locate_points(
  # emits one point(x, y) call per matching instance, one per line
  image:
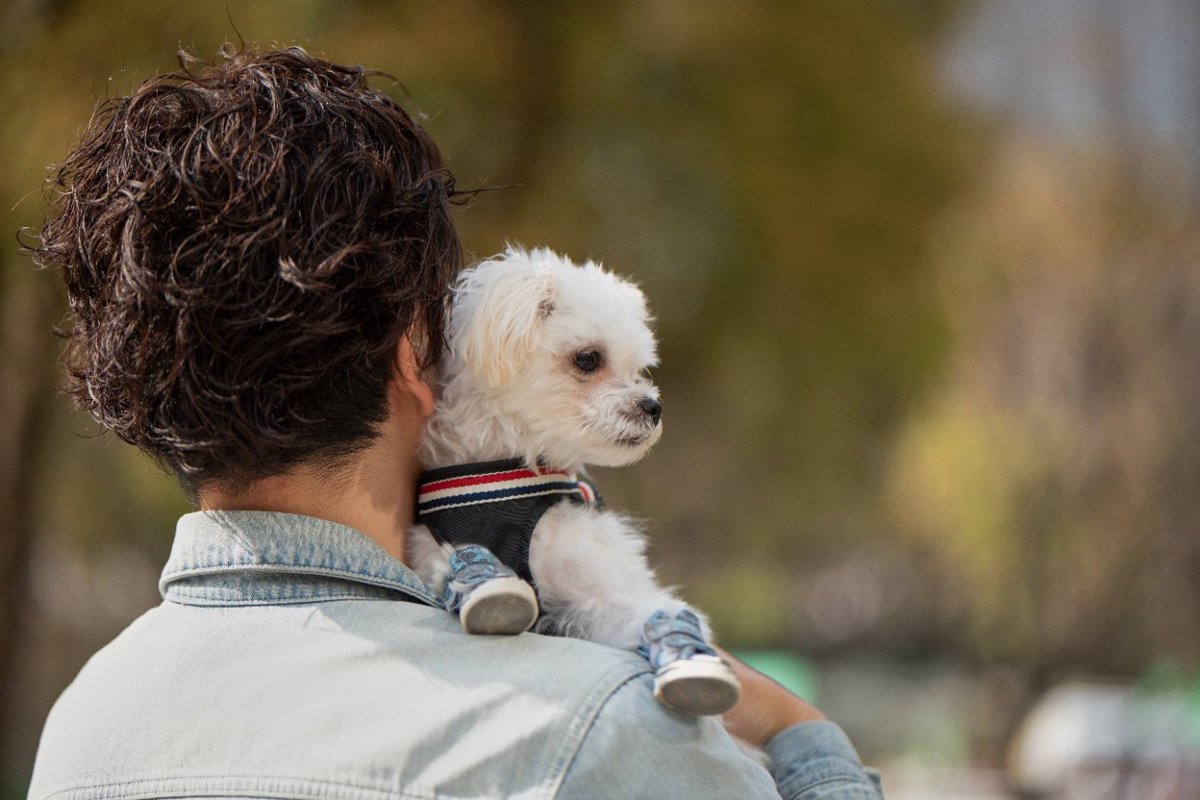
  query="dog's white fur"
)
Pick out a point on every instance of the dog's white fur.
point(509, 387)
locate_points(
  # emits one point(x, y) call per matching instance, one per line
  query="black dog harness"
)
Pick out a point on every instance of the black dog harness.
point(496, 504)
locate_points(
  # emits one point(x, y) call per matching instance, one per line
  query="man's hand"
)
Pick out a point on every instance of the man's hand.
point(766, 708)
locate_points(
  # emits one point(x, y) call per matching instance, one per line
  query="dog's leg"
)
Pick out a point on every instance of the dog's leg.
point(592, 577)
point(488, 597)
point(594, 583)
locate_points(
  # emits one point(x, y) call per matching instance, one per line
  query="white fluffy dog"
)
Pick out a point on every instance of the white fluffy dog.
point(547, 374)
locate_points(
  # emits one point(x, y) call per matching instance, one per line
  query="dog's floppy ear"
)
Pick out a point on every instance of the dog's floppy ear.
point(499, 307)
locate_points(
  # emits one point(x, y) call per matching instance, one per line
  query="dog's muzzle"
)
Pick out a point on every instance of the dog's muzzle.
point(651, 407)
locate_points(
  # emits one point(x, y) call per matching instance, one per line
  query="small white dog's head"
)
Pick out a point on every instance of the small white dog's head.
point(555, 356)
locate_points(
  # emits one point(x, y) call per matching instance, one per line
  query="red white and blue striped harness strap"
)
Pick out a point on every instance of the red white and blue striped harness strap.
point(496, 481)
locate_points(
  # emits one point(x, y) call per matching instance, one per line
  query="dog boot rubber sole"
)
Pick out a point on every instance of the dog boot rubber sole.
point(700, 685)
point(502, 606)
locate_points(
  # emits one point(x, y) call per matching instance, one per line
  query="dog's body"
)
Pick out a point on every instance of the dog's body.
point(548, 363)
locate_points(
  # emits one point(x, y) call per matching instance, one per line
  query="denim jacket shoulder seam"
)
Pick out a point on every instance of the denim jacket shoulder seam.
point(581, 725)
point(234, 785)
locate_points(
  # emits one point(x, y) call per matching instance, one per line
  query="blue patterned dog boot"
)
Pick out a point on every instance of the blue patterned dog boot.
point(487, 596)
point(689, 676)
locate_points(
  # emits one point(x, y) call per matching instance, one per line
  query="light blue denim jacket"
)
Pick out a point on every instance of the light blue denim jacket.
point(293, 657)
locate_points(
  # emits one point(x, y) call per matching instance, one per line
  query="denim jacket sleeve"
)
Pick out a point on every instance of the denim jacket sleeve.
point(636, 748)
point(815, 761)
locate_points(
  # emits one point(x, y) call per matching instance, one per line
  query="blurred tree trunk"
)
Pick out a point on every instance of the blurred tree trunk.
point(26, 391)
point(538, 102)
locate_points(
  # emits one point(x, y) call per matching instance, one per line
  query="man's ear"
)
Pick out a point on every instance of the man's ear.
point(498, 311)
point(408, 373)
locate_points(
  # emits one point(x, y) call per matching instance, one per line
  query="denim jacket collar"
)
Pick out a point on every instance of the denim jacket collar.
point(238, 558)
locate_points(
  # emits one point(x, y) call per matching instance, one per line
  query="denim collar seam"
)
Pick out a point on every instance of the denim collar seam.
point(408, 587)
point(179, 597)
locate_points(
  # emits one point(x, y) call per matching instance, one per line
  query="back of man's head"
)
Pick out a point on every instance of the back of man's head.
point(244, 243)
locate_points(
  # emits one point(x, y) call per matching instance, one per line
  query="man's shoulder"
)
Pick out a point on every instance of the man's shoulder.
point(377, 688)
point(406, 651)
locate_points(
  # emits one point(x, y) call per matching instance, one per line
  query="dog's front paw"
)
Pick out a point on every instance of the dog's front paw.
point(502, 606)
point(690, 676)
point(489, 598)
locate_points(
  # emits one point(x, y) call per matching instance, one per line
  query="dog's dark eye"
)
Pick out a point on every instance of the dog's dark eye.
point(587, 360)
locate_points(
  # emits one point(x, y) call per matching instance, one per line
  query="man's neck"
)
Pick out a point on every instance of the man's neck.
point(374, 493)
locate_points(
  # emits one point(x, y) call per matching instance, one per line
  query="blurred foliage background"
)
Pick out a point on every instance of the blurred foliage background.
point(925, 278)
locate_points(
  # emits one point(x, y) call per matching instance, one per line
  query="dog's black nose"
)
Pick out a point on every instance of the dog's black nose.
point(651, 406)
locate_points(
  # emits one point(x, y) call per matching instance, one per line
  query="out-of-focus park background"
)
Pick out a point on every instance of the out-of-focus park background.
point(926, 280)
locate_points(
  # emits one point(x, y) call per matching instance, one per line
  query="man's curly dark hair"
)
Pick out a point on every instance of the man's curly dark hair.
point(244, 242)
